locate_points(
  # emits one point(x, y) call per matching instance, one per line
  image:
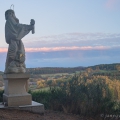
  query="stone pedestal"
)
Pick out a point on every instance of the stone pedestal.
point(15, 93)
point(35, 107)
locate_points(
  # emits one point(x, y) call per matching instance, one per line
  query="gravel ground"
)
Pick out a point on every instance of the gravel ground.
point(6, 114)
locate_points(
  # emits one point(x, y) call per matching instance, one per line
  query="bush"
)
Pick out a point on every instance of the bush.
point(83, 95)
point(1, 95)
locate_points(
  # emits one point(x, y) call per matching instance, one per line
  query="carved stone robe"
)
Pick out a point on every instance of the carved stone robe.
point(14, 32)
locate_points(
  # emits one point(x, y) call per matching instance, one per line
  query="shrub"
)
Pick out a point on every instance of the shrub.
point(83, 94)
point(1, 95)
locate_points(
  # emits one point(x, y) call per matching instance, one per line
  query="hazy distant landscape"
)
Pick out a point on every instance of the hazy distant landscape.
point(44, 77)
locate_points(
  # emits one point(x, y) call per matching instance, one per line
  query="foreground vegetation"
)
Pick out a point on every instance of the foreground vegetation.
point(83, 94)
point(90, 92)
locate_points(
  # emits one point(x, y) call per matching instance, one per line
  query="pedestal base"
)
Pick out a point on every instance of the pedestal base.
point(15, 93)
point(34, 107)
point(17, 100)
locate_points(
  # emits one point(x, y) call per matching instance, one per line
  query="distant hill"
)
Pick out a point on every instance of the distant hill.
point(1, 72)
point(1, 78)
point(105, 66)
point(53, 70)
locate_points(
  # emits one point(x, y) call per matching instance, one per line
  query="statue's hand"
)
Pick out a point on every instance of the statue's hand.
point(32, 22)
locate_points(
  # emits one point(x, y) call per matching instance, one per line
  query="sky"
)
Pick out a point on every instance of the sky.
point(68, 33)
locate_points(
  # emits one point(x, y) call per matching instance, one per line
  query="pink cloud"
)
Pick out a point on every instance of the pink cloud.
point(3, 49)
point(110, 4)
point(50, 49)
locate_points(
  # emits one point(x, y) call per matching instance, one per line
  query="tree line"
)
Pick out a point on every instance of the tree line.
point(53, 70)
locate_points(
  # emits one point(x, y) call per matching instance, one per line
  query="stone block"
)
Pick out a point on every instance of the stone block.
point(15, 92)
point(35, 107)
point(17, 100)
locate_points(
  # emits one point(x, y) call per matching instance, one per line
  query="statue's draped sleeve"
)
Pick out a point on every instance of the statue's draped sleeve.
point(15, 31)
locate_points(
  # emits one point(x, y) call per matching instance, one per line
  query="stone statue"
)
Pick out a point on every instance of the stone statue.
point(14, 32)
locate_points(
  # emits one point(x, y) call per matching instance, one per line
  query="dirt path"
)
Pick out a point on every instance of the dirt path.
point(49, 115)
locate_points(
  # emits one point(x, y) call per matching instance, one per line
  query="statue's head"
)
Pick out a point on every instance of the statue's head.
point(11, 13)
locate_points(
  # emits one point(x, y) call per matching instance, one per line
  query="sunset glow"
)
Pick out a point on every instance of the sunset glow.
point(50, 49)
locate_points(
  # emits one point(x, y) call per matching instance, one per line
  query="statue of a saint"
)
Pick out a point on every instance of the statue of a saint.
point(14, 32)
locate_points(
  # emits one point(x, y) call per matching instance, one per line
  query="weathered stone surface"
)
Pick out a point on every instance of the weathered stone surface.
point(35, 107)
point(15, 92)
point(17, 100)
point(14, 32)
point(15, 79)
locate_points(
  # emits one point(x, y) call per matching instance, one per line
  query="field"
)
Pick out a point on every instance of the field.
point(36, 79)
point(44, 81)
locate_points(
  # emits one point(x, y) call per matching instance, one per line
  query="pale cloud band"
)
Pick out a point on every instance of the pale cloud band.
point(71, 41)
point(50, 49)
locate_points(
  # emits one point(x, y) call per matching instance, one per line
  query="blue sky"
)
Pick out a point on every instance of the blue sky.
point(68, 33)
